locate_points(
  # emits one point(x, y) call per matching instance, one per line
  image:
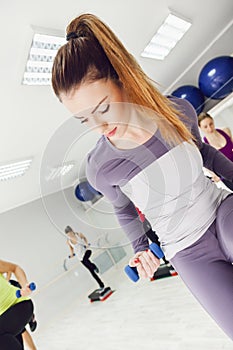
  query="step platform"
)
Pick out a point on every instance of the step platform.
point(100, 294)
point(163, 271)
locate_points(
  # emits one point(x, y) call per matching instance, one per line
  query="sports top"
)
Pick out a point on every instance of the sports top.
point(165, 182)
point(8, 295)
point(227, 150)
point(79, 247)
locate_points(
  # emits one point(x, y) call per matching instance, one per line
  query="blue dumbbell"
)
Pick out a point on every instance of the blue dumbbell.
point(32, 286)
point(132, 271)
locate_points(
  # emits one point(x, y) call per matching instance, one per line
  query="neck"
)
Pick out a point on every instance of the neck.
point(213, 135)
point(141, 125)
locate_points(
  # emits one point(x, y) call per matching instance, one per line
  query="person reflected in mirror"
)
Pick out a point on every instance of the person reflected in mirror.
point(80, 247)
point(15, 312)
point(150, 155)
point(221, 139)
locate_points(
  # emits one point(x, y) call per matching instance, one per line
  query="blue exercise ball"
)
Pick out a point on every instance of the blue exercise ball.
point(192, 94)
point(85, 192)
point(216, 77)
point(96, 193)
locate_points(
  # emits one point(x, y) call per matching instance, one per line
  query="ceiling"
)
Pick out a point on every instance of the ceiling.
point(33, 122)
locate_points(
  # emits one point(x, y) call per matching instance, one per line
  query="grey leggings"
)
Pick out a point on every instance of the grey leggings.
point(206, 268)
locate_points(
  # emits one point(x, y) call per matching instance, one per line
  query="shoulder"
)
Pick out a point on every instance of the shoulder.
point(184, 107)
point(227, 131)
point(92, 161)
point(81, 235)
point(6, 266)
point(96, 161)
point(181, 103)
point(95, 154)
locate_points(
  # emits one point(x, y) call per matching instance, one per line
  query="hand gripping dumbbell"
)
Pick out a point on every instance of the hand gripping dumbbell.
point(32, 286)
point(132, 271)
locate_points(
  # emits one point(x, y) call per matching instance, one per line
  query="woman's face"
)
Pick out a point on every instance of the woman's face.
point(207, 125)
point(100, 105)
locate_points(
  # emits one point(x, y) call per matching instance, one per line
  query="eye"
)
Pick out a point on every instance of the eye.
point(81, 119)
point(105, 110)
point(84, 120)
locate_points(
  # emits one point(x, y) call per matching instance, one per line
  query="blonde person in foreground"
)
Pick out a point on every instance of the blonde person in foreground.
point(150, 155)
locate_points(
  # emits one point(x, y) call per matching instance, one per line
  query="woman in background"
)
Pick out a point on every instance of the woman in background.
point(221, 139)
point(78, 245)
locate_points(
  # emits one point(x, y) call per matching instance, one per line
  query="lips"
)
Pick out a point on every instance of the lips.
point(111, 133)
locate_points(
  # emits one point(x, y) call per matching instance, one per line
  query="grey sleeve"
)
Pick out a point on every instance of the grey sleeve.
point(213, 159)
point(123, 207)
point(217, 162)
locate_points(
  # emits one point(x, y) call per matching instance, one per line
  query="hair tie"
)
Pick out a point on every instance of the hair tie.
point(71, 35)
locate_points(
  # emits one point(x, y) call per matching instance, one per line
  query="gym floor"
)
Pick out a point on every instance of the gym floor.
point(159, 315)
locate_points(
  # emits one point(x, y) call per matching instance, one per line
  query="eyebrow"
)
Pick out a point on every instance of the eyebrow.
point(96, 107)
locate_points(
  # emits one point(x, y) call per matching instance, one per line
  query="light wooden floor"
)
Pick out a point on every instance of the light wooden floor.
point(160, 315)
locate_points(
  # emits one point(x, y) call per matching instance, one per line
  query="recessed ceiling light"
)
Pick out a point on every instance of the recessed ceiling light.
point(40, 59)
point(59, 171)
point(167, 36)
point(12, 170)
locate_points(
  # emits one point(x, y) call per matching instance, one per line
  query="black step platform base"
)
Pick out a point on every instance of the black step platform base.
point(165, 270)
point(100, 294)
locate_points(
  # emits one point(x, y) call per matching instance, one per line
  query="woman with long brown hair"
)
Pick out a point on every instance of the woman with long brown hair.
point(150, 155)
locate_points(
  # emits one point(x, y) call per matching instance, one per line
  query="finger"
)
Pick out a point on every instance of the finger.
point(141, 271)
point(147, 265)
point(154, 258)
point(25, 292)
point(135, 260)
point(149, 262)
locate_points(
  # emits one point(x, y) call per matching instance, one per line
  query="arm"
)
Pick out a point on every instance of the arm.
point(8, 267)
point(83, 237)
point(8, 276)
point(71, 250)
point(217, 162)
point(228, 132)
point(124, 209)
point(209, 173)
point(145, 262)
point(213, 159)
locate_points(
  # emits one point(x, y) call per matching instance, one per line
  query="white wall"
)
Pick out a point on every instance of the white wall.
point(225, 118)
point(32, 236)
point(223, 113)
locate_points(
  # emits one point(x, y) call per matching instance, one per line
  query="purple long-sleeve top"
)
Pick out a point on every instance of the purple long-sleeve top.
point(166, 182)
